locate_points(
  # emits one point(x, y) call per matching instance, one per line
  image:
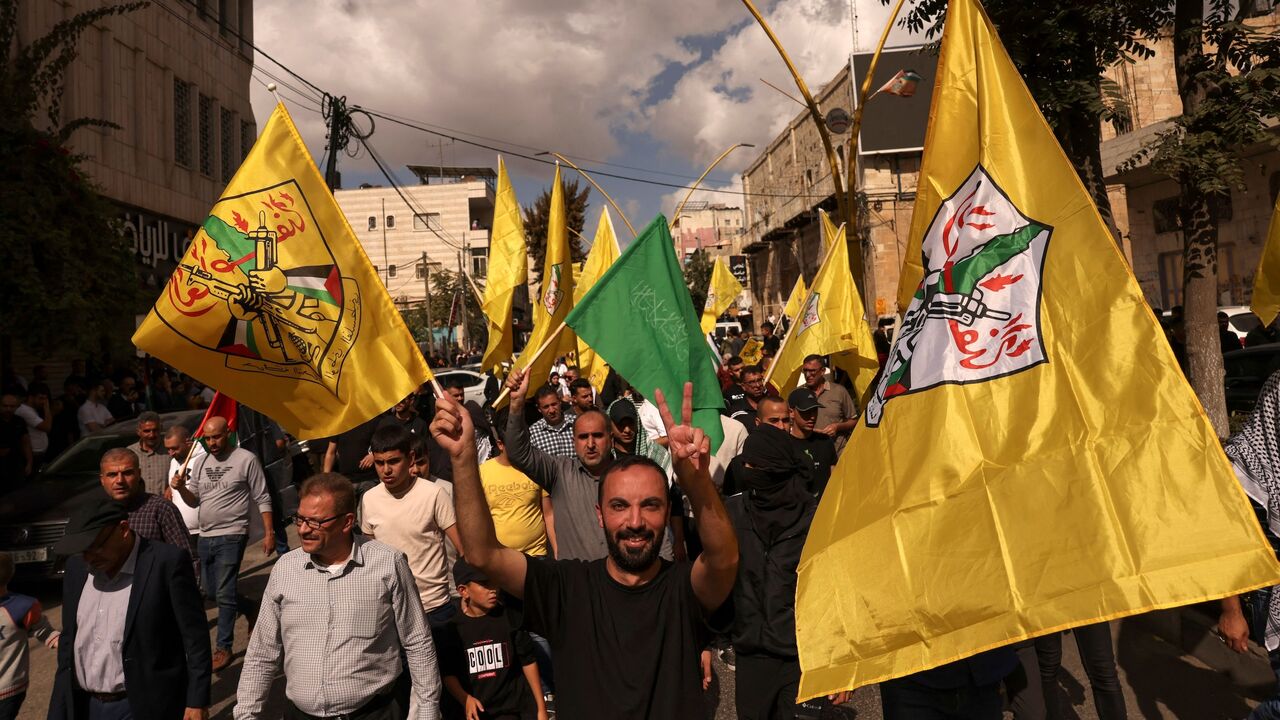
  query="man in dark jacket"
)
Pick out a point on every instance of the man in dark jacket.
point(135, 643)
point(771, 517)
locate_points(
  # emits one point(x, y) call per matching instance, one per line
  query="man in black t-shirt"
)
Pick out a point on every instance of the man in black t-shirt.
point(821, 449)
point(627, 631)
point(348, 453)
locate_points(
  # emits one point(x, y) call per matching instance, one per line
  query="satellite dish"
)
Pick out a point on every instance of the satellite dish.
point(838, 121)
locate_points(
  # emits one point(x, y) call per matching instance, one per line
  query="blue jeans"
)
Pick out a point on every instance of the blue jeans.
point(220, 558)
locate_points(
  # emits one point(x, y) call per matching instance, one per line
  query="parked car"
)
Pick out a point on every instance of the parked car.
point(34, 512)
point(473, 382)
point(1246, 371)
point(1240, 320)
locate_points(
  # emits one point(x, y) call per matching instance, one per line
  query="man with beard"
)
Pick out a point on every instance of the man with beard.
point(772, 517)
point(626, 630)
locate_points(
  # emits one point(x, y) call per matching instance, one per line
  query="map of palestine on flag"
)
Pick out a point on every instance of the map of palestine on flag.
point(1032, 458)
point(639, 317)
point(276, 303)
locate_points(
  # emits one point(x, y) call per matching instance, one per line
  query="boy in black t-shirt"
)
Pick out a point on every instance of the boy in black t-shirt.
point(486, 665)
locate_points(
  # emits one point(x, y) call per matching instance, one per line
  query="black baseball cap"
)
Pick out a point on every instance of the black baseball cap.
point(87, 522)
point(803, 399)
point(623, 409)
point(464, 572)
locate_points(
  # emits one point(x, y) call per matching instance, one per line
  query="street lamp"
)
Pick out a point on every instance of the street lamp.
point(594, 184)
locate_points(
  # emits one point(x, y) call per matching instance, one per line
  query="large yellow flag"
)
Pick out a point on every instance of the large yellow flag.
point(275, 302)
point(508, 271)
point(1020, 468)
point(556, 297)
point(722, 291)
point(830, 322)
point(797, 296)
point(1266, 281)
point(604, 250)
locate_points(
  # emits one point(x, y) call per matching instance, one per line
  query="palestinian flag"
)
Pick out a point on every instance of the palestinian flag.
point(223, 406)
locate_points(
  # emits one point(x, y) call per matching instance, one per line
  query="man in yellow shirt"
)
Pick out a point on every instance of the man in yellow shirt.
point(521, 510)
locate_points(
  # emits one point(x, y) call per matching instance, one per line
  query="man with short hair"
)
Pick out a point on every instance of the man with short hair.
point(773, 411)
point(582, 397)
point(770, 342)
point(754, 390)
point(837, 414)
point(149, 515)
point(734, 392)
point(225, 486)
point(37, 413)
point(124, 402)
point(627, 629)
point(93, 415)
point(16, 458)
point(412, 515)
point(820, 449)
point(181, 450)
point(339, 613)
point(134, 641)
point(153, 463)
point(553, 433)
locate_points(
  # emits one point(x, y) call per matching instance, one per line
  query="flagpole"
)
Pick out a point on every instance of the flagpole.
point(676, 215)
point(536, 354)
point(595, 185)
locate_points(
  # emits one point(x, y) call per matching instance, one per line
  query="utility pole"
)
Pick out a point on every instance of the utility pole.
point(386, 257)
point(426, 302)
point(335, 111)
point(462, 334)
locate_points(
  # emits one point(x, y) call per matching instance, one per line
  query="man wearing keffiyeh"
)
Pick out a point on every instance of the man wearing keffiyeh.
point(1254, 452)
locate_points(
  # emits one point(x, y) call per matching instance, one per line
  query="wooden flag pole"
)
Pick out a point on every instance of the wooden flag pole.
point(536, 354)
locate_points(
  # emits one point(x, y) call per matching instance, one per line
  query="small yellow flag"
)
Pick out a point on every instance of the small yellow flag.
point(752, 351)
point(722, 291)
point(1266, 281)
point(604, 250)
point(795, 299)
point(275, 302)
point(830, 322)
point(1018, 469)
point(508, 271)
point(556, 298)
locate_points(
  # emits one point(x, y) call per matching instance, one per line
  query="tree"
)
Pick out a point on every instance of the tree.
point(69, 274)
point(697, 276)
point(447, 301)
point(535, 225)
point(1061, 51)
point(1228, 76)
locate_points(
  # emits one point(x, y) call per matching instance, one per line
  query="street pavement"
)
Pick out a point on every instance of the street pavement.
point(1159, 680)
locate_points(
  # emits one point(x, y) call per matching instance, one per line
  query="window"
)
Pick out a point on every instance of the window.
point(375, 269)
point(418, 270)
point(1164, 213)
point(206, 135)
point(228, 141)
point(248, 134)
point(373, 222)
point(391, 221)
point(1121, 119)
point(427, 221)
point(224, 15)
point(391, 271)
point(182, 123)
point(480, 262)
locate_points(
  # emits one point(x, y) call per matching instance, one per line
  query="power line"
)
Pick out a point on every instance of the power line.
point(417, 211)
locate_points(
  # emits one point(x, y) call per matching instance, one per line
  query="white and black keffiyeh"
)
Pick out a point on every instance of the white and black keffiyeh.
point(1255, 454)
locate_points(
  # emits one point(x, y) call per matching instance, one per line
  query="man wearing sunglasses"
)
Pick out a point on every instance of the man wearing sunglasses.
point(338, 612)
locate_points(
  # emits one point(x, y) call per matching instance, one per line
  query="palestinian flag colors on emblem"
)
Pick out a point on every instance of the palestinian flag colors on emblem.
point(553, 294)
point(975, 315)
point(810, 316)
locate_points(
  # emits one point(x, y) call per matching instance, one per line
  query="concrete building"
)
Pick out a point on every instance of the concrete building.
point(1145, 203)
point(708, 226)
point(174, 76)
point(446, 221)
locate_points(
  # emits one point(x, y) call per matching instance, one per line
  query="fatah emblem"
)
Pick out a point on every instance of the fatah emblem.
point(809, 317)
point(976, 314)
point(710, 304)
point(552, 295)
point(266, 289)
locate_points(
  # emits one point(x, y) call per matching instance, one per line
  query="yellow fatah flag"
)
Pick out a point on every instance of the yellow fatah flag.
point(604, 250)
point(722, 291)
point(275, 302)
point(798, 293)
point(508, 271)
point(752, 351)
point(556, 297)
point(1019, 469)
point(1266, 281)
point(830, 322)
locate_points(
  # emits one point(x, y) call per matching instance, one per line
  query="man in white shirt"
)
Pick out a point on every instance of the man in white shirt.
point(36, 413)
point(93, 415)
point(178, 444)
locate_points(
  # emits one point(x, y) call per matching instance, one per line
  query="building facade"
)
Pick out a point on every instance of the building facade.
point(712, 227)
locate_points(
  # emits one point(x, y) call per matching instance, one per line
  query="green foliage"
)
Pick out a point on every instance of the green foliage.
point(535, 225)
point(697, 276)
point(70, 277)
point(444, 296)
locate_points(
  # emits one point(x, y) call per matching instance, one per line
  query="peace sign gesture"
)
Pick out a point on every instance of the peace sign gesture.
point(690, 447)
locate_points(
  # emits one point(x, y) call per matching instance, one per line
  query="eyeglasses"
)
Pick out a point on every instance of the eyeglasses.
point(312, 522)
point(809, 371)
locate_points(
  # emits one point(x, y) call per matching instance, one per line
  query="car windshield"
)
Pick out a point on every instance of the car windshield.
point(1244, 322)
point(84, 455)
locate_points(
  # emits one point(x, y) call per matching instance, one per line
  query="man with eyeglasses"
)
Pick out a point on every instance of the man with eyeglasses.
point(836, 412)
point(339, 613)
point(754, 390)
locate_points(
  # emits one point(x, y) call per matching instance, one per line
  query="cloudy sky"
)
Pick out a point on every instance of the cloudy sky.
point(653, 89)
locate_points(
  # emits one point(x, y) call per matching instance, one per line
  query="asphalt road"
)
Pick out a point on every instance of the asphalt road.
point(1159, 680)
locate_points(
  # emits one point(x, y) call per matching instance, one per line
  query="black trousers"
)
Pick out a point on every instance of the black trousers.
point(766, 687)
point(1099, 660)
point(905, 699)
point(382, 707)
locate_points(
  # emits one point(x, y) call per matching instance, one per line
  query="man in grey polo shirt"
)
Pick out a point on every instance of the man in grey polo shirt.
point(225, 486)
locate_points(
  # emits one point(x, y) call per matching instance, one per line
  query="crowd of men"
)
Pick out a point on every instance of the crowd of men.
point(575, 553)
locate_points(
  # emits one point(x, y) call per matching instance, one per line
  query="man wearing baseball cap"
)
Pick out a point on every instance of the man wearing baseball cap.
point(820, 449)
point(134, 643)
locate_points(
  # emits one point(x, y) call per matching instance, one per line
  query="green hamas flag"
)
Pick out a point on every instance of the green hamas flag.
point(640, 319)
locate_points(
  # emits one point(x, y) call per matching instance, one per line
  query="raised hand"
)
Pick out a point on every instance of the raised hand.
point(518, 384)
point(452, 428)
point(690, 447)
